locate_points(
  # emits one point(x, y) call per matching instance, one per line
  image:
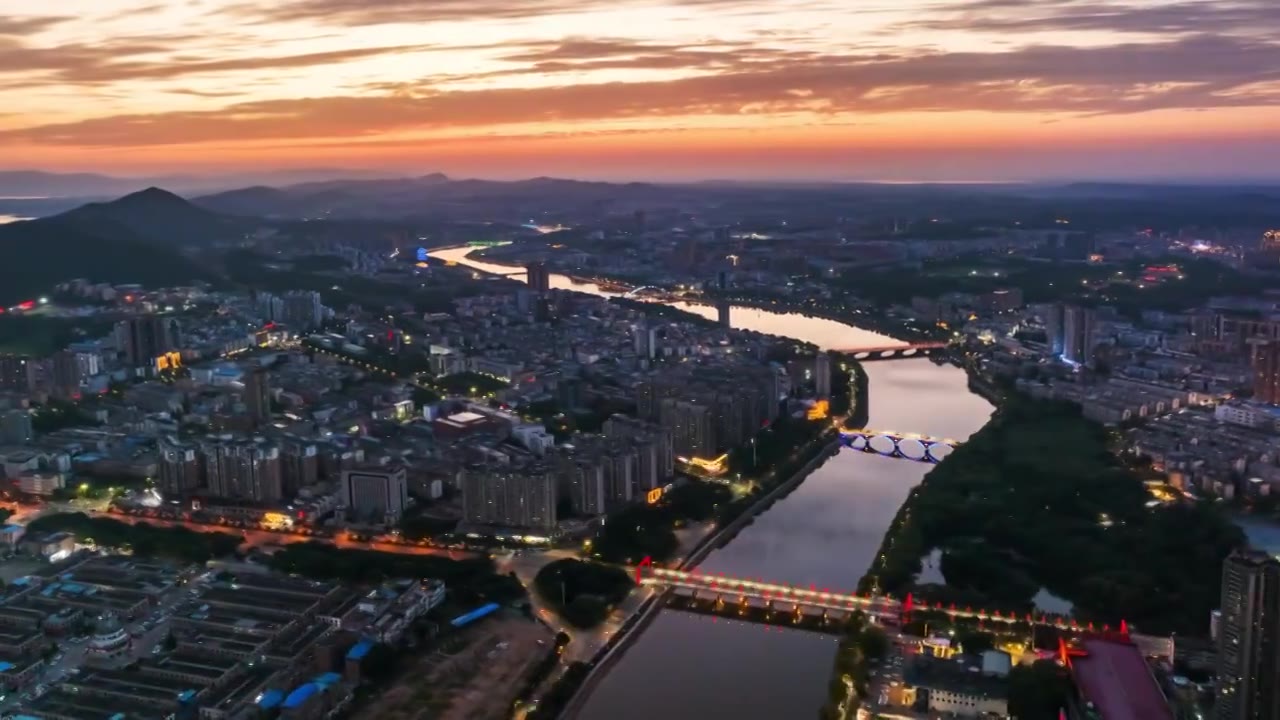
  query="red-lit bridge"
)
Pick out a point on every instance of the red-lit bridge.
point(893, 352)
point(881, 607)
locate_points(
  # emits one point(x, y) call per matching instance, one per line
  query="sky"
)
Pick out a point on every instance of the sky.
point(898, 90)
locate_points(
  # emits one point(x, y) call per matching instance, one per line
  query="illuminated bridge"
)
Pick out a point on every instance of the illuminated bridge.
point(635, 292)
point(889, 443)
point(893, 352)
point(881, 607)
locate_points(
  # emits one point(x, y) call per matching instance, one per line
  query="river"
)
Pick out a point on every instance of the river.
point(825, 533)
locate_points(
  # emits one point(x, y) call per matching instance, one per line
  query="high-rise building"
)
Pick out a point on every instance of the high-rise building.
point(692, 426)
point(179, 468)
point(66, 375)
point(655, 446)
point(300, 467)
point(1266, 371)
point(15, 427)
point(257, 395)
point(1077, 334)
point(521, 497)
point(1248, 683)
point(539, 277)
point(18, 372)
point(822, 376)
point(569, 393)
point(581, 478)
point(302, 309)
point(243, 470)
point(270, 307)
point(723, 311)
point(1054, 328)
point(142, 339)
point(644, 340)
point(621, 464)
point(375, 495)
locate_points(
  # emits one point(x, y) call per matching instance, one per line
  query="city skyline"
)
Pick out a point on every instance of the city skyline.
point(935, 90)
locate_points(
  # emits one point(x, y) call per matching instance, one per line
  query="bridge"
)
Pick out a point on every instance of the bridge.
point(910, 446)
point(893, 352)
point(746, 592)
point(635, 292)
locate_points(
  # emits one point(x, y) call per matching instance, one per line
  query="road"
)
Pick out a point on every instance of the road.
point(267, 538)
point(253, 538)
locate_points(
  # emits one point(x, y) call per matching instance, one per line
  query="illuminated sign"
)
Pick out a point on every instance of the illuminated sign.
point(715, 466)
point(819, 410)
point(169, 361)
point(654, 496)
point(277, 520)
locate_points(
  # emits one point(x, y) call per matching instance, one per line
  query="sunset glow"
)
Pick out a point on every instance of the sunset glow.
point(679, 89)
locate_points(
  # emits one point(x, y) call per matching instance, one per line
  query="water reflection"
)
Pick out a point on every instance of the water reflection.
point(823, 333)
point(825, 533)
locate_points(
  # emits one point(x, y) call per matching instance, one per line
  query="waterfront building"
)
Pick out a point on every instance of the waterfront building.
point(1248, 683)
point(539, 277)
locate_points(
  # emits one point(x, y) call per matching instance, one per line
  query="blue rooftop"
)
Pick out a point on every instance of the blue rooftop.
point(4, 666)
point(12, 528)
point(327, 679)
point(360, 649)
point(474, 615)
point(301, 695)
point(270, 699)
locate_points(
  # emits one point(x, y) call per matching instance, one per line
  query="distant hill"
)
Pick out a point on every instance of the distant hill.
point(136, 239)
point(158, 216)
point(39, 254)
point(256, 201)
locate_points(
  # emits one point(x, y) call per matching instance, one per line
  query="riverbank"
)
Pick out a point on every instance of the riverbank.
point(1088, 530)
point(895, 328)
point(652, 606)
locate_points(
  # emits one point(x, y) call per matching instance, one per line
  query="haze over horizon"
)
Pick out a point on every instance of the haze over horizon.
point(894, 90)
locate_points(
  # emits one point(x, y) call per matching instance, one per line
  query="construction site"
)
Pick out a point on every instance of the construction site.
point(474, 675)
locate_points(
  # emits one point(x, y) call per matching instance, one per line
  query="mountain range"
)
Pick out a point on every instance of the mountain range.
point(150, 236)
point(40, 184)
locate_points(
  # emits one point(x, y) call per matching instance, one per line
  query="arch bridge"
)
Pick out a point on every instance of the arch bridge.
point(893, 352)
point(909, 446)
point(635, 292)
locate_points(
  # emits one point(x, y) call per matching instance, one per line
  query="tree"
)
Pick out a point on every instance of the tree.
point(1037, 691)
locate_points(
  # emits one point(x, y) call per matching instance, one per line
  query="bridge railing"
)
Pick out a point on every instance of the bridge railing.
point(878, 604)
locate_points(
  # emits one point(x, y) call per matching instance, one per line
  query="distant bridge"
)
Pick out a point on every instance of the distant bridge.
point(633, 292)
point(910, 446)
point(893, 352)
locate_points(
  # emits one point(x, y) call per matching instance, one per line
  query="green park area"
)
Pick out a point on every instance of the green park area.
point(470, 579)
point(142, 539)
point(42, 335)
point(582, 592)
point(1037, 500)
